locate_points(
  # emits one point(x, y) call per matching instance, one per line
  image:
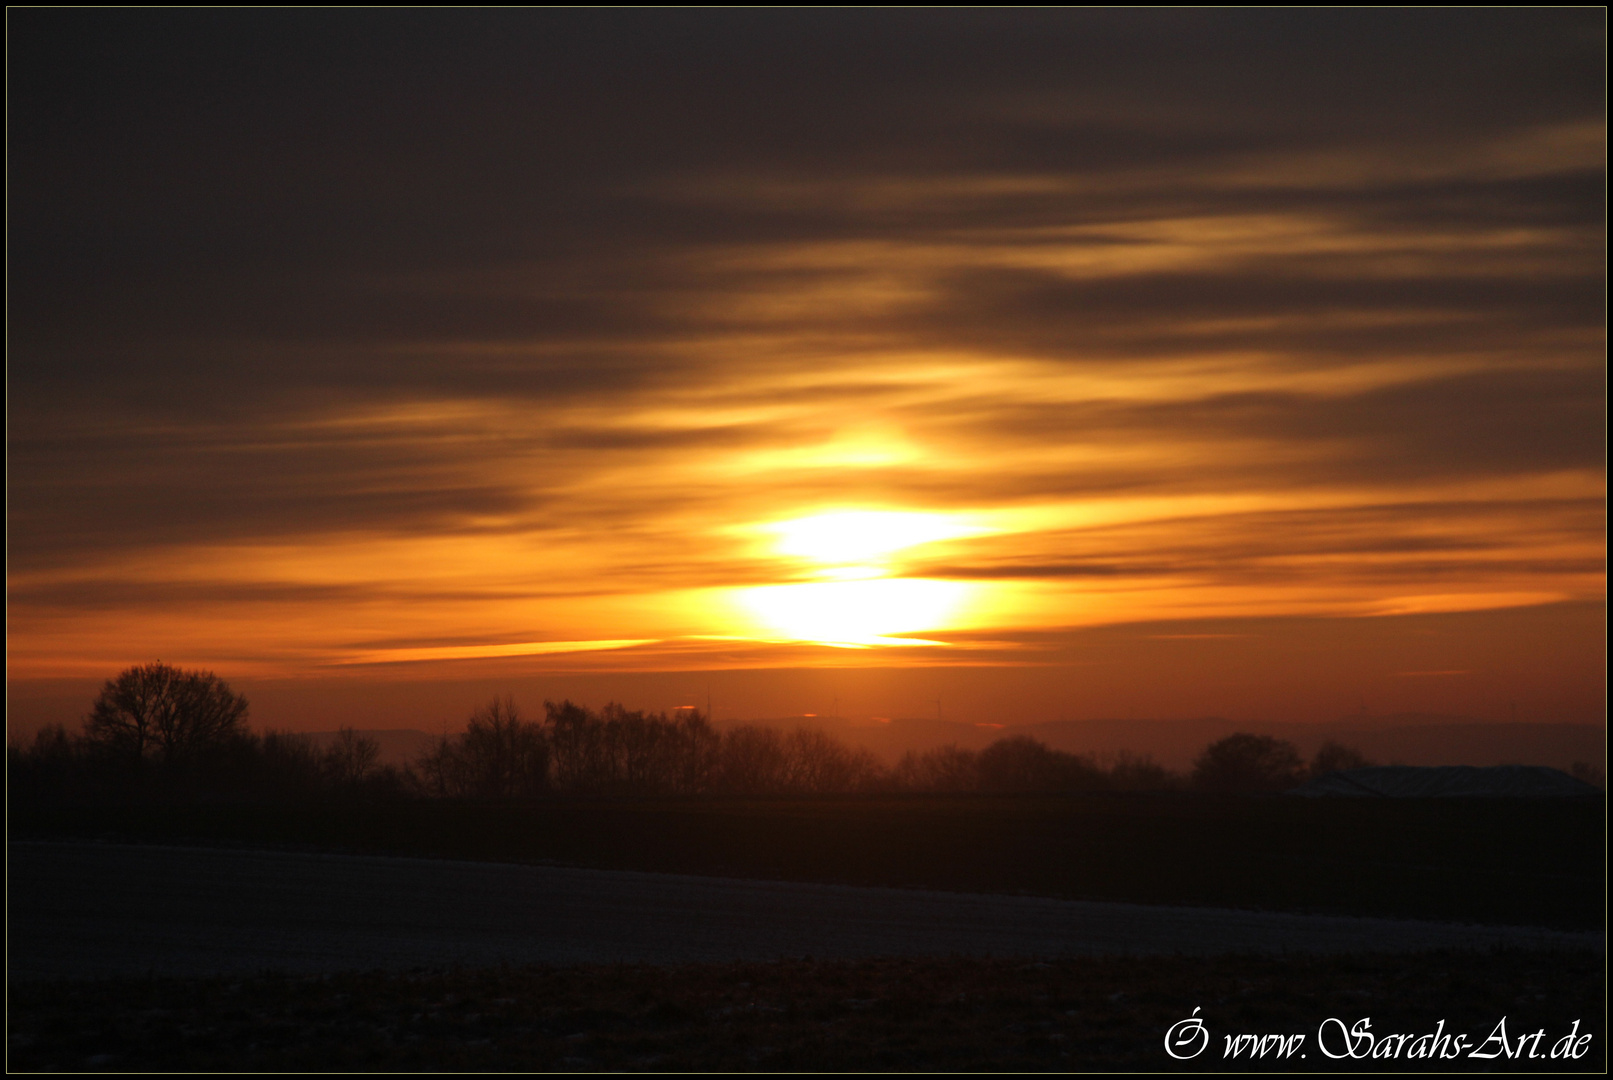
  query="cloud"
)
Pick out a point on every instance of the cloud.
point(489, 317)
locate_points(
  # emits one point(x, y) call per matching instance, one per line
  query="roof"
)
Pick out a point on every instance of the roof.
point(1447, 781)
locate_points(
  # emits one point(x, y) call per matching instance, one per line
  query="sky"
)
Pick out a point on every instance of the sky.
point(1050, 363)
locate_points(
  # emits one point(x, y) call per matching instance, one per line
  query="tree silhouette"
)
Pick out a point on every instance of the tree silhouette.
point(1131, 772)
point(161, 710)
point(1021, 763)
point(698, 753)
point(628, 751)
point(1336, 757)
point(1247, 764)
point(499, 756)
point(507, 756)
point(577, 744)
point(755, 761)
point(818, 762)
point(351, 758)
point(945, 768)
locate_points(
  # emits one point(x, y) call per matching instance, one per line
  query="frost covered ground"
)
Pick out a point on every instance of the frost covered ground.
point(88, 910)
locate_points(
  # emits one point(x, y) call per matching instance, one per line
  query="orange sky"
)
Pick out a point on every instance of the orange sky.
point(719, 362)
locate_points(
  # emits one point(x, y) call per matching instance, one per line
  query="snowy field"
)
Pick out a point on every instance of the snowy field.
point(83, 910)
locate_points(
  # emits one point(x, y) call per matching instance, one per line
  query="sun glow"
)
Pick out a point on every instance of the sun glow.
point(858, 600)
point(857, 536)
point(858, 613)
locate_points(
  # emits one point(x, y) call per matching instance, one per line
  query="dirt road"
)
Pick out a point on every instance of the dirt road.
point(90, 910)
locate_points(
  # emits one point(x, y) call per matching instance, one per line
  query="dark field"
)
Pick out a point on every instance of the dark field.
point(1523, 862)
point(913, 1014)
point(101, 911)
point(1526, 863)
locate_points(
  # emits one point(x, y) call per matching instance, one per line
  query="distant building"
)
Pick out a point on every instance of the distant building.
point(1447, 781)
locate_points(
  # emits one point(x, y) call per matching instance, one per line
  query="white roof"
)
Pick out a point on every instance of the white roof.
point(1447, 781)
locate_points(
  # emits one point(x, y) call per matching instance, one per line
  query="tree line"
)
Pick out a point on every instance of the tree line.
point(618, 751)
point(155, 729)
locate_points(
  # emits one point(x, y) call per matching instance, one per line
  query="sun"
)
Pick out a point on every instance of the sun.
point(858, 536)
point(858, 599)
point(858, 613)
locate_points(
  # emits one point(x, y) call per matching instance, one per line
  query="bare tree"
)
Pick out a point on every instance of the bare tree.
point(1021, 763)
point(499, 756)
point(818, 762)
point(577, 743)
point(505, 755)
point(155, 708)
point(754, 761)
point(351, 758)
point(1132, 772)
point(697, 753)
point(290, 762)
point(440, 771)
point(623, 750)
point(1247, 764)
point(946, 768)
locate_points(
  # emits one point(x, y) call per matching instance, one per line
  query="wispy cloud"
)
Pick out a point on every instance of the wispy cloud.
point(455, 332)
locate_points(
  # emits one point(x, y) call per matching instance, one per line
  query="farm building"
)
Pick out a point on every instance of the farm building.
point(1447, 781)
